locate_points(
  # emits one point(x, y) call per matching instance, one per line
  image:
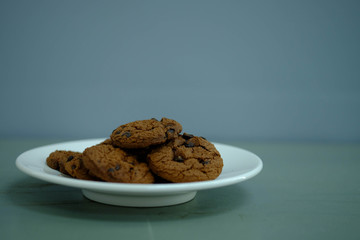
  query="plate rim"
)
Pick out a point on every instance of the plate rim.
point(134, 188)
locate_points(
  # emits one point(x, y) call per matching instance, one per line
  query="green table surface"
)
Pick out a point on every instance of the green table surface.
point(305, 191)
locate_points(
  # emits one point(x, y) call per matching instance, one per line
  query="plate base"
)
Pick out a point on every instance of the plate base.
point(138, 200)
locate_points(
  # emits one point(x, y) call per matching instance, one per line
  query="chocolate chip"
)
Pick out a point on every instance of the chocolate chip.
point(171, 130)
point(154, 119)
point(126, 134)
point(73, 166)
point(187, 136)
point(204, 162)
point(118, 132)
point(70, 158)
point(111, 170)
point(117, 167)
point(189, 144)
point(178, 159)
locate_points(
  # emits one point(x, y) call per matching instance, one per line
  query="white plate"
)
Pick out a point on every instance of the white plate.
point(239, 165)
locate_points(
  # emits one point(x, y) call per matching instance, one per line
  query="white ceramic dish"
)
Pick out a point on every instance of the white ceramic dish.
point(239, 165)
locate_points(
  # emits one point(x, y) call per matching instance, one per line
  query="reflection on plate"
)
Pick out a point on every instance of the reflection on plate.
point(239, 165)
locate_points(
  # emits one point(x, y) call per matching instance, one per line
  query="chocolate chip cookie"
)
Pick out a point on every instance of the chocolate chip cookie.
point(57, 159)
point(187, 158)
point(113, 164)
point(145, 133)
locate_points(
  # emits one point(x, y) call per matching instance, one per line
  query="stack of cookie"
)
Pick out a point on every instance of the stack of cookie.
point(144, 151)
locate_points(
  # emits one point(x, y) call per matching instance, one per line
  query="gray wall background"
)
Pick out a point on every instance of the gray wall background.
point(244, 70)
